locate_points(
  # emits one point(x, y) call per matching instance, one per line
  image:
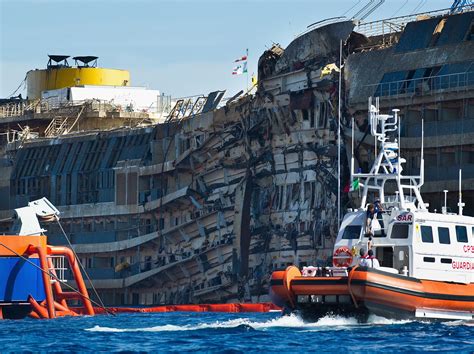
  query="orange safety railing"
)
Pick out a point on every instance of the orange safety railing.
point(55, 304)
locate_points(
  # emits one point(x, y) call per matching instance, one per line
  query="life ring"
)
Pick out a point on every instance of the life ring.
point(342, 257)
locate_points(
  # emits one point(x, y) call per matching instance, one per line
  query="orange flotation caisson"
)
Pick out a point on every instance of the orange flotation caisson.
point(230, 308)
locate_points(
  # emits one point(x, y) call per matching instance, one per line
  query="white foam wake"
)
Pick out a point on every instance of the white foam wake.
point(291, 321)
point(468, 323)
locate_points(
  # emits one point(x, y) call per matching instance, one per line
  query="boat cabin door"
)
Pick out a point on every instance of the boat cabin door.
point(401, 258)
point(385, 256)
point(396, 257)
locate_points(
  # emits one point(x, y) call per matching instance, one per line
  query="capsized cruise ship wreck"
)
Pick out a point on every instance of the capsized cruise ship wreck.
point(201, 201)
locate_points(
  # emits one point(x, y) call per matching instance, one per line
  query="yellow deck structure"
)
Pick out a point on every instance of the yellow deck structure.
point(61, 76)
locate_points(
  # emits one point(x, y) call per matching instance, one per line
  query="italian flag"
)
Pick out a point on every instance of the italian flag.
point(240, 69)
point(354, 185)
point(240, 59)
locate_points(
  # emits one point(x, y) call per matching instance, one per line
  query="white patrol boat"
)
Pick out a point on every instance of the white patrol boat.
point(426, 259)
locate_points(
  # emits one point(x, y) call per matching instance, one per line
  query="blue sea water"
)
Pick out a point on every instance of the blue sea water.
point(232, 333)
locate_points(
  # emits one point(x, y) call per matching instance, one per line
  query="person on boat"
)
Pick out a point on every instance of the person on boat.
point(379, 210)
point(370, 261)
point(378, 206)
point(362, 255)
point(374, 211)
point(373, 261)
point(370, 215)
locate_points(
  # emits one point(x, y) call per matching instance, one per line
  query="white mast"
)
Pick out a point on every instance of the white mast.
point(460, 203)
point(352, 151)
point(339, 141)
point(444, 209)
point(422, 160)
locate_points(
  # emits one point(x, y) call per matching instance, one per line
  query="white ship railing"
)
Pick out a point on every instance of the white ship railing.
point(19, 109)
point(424, 86)
point(396, 24)
point(59, 266)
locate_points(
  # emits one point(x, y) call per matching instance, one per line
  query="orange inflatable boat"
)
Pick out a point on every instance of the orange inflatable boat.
point(368, 290)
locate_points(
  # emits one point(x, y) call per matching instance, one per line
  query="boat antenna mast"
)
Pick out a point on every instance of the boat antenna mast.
point(387, 165)
point(460, 203)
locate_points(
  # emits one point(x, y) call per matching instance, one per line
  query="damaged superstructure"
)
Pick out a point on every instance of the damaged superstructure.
point(202, 207)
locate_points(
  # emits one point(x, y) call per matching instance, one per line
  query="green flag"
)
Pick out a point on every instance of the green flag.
point(354, 185)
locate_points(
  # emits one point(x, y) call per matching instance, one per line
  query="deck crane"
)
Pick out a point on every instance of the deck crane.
point(461, 5)
point(368, 9)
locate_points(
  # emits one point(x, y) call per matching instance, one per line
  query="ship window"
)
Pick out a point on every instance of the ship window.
point(428, 259)
point(461, 233)
point(426, 234)
point(446, 260)
point(443, 235)
point(470, 33)
point(351, 232)
point(305, 114)
point(399, 231)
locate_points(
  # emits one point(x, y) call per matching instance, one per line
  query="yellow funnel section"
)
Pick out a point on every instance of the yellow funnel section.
point(56, 78)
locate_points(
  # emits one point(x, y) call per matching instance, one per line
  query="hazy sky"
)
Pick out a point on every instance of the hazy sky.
point(180, 47)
